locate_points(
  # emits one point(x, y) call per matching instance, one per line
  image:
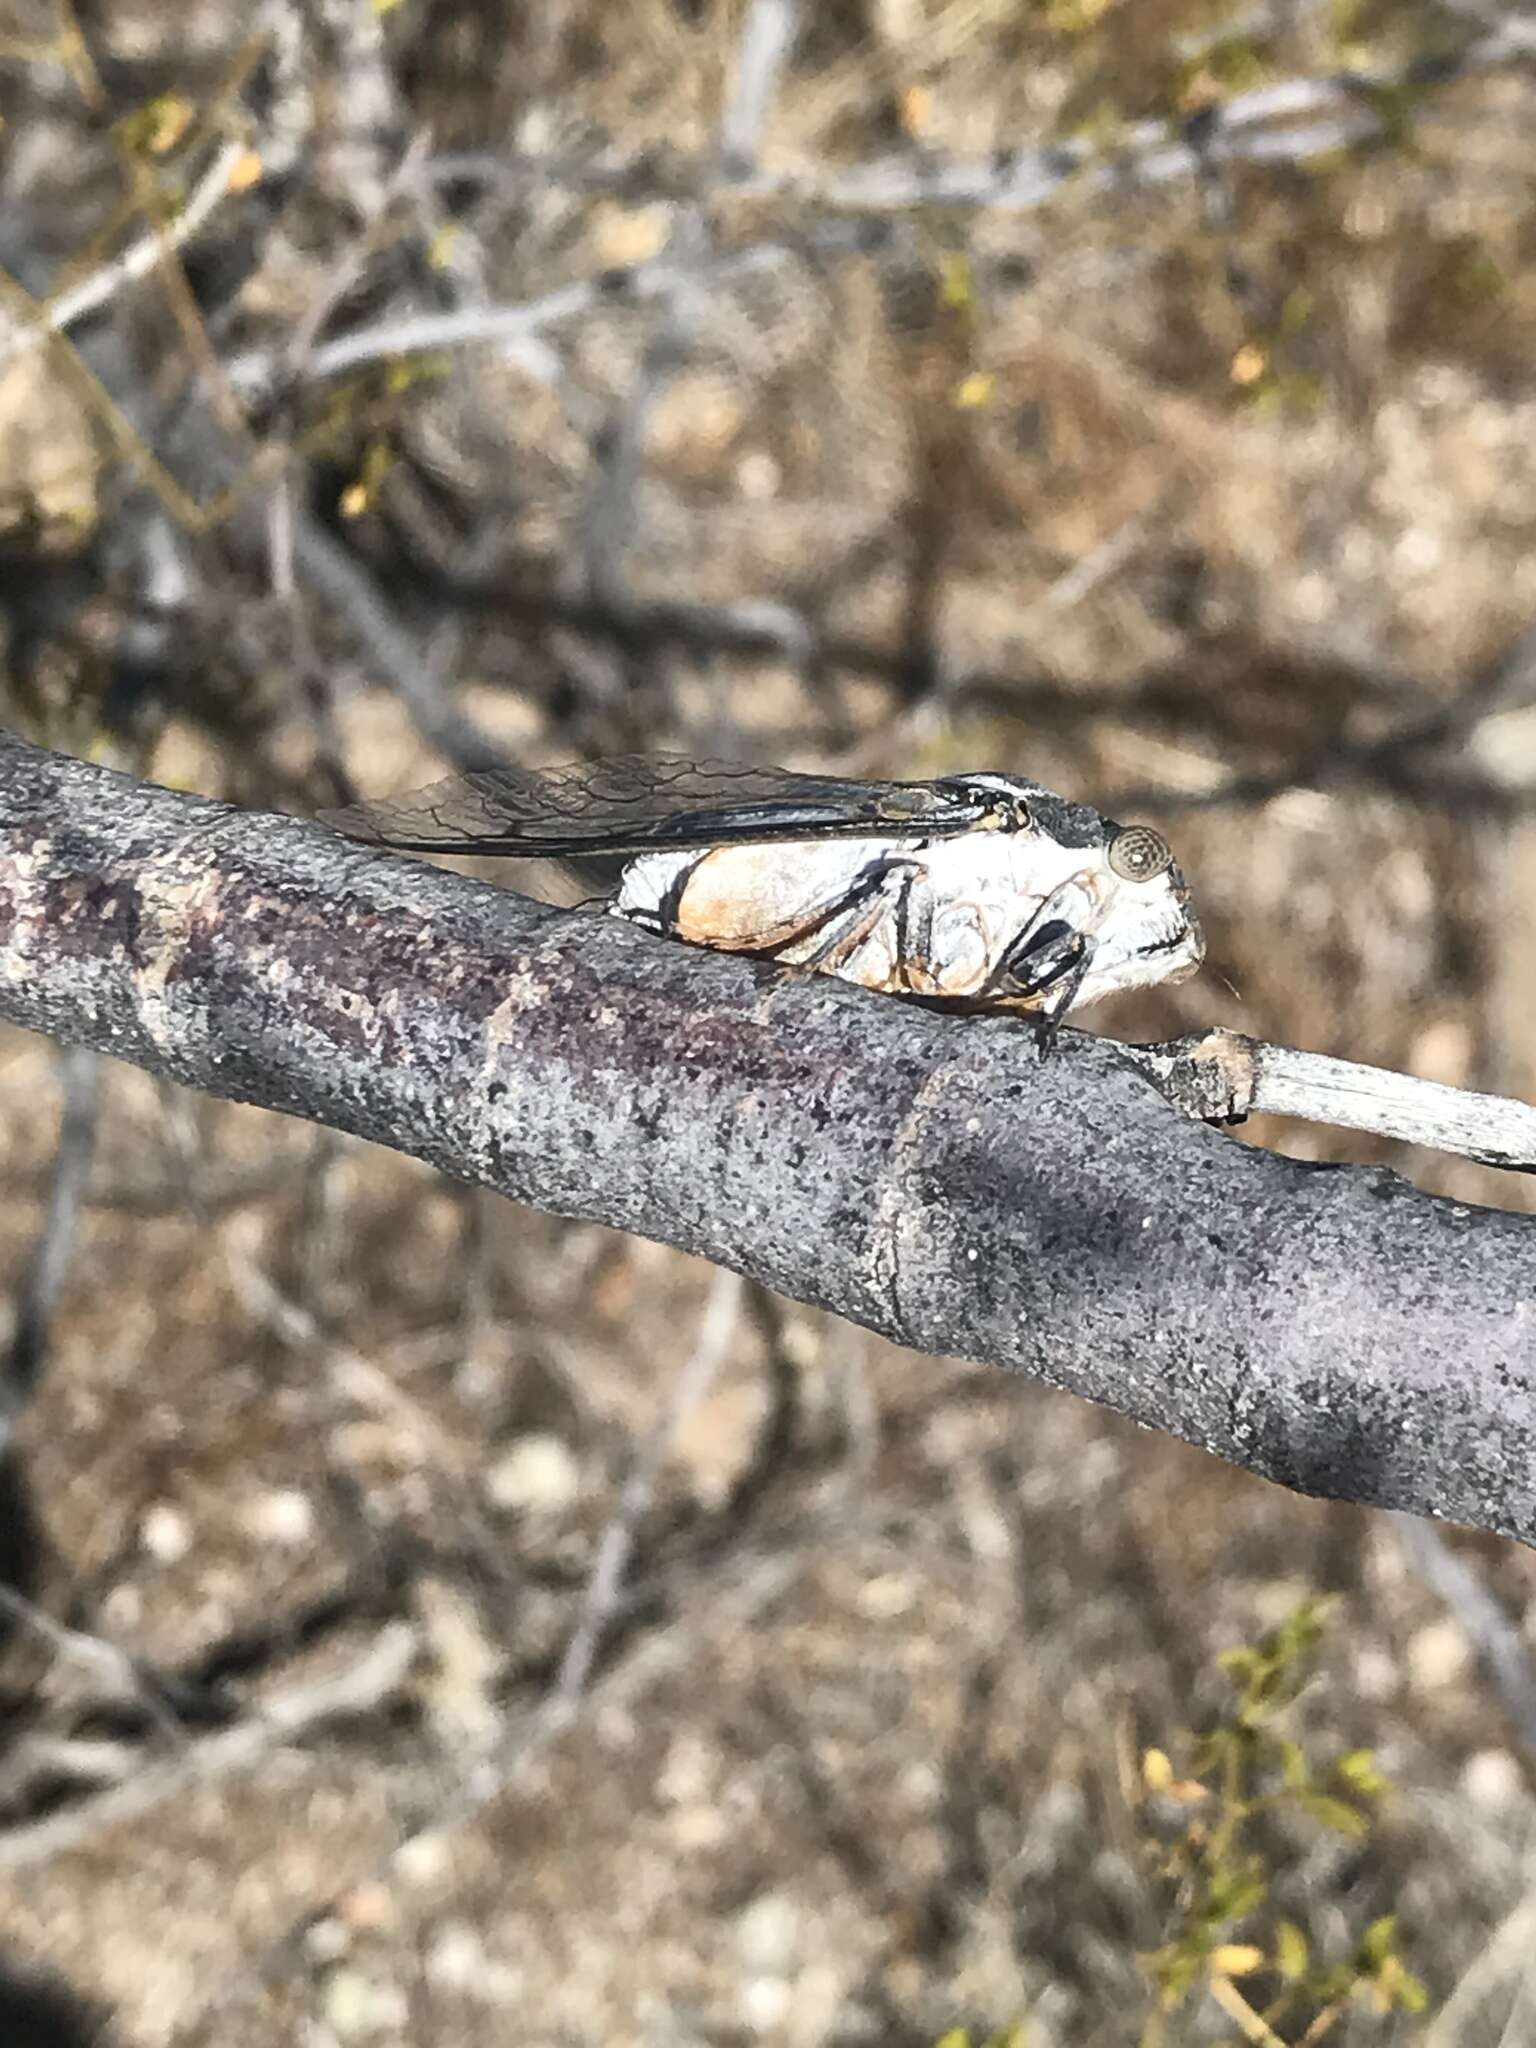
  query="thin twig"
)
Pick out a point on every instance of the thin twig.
point(38, 1295)
point(613, 500)
point(342, 578)
point(1325, 114)
point(288, 1715)
point(478, 325)
point(721, 1316)
point(1287, 121)
point(767, 39)
point(1328, 114)
point(1224, 1076)
point(1498, 1639)
point(122, 1675)
point(56, 316)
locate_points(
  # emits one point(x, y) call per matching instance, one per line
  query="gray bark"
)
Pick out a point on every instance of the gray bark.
point(924, 1175)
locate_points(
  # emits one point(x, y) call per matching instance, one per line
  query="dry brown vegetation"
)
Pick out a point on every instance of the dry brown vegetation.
point(1204, 482)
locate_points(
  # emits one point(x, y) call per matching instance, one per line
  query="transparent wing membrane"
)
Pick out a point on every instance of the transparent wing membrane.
point(637, 803)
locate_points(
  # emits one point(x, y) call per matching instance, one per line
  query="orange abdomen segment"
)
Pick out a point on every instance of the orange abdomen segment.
point(751, 898)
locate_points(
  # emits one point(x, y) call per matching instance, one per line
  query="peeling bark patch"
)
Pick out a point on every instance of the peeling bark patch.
point(521, 991)
point(174, 916)
point(40, 907)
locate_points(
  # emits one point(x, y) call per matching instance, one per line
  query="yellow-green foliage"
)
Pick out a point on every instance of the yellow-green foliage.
point(1217, 1878)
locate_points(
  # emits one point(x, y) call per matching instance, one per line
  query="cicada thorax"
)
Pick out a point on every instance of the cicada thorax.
point(955, 944)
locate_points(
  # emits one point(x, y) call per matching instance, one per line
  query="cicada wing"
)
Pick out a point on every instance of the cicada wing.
point(637, 803)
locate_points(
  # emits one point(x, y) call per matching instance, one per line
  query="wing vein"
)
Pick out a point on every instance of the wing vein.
point(630, 804)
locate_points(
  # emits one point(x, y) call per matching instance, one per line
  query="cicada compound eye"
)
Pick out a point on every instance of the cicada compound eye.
point(1138, 854)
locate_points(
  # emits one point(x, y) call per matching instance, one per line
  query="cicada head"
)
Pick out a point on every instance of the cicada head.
point(1148, 930)
point(1102, 907)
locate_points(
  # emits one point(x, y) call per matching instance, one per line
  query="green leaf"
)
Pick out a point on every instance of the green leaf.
point(1239, 1665)
point(1379, 1942)
point(1292, 1951)
point(1357, 1769)
point(1407, 1991)
point(1233, 1894)
point(1336, 1814)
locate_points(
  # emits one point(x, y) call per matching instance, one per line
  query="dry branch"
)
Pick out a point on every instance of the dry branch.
point(924, 1175)
point(58, 315)
point(1225, 1076)
point(359, 1688)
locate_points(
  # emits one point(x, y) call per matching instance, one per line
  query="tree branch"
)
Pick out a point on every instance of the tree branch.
point(924, 1175)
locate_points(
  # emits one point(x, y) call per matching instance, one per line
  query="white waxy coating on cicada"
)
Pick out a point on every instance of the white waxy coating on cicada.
point(939, 917)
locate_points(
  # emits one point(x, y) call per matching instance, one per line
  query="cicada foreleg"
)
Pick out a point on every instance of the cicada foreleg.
point(1071, 967)
point(1047, 963)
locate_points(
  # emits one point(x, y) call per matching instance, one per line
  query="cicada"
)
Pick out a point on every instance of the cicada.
point(980, 891)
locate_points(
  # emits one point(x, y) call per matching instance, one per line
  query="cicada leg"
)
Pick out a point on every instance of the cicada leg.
point(1063, 992)
point(878, 894)
point(914, 934)
point(1045, 968)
